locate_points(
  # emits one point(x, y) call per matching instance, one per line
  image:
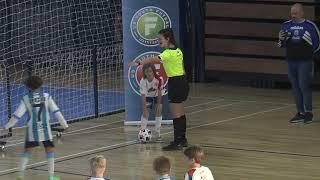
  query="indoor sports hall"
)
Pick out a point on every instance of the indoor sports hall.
point(238, 108)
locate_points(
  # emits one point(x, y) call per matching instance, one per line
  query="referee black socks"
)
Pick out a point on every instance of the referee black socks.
point(179, 126)
point(176, 129)
point(183, 125)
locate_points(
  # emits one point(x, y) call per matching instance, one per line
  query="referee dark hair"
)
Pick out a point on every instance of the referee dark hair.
point(178, 87)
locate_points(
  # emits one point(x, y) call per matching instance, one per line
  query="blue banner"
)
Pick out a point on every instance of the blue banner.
point(142, 20)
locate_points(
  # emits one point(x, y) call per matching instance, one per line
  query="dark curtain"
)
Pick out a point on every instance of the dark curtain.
point(192, 19)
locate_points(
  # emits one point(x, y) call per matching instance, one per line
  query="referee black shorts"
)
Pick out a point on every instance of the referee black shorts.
point(178, 89)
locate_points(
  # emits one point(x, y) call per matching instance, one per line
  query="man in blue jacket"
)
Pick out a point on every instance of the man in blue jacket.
point(300, 37)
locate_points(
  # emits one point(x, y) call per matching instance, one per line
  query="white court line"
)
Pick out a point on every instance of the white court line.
point(69, 132)
point(135, 141)
point(234, 118)
point(92, 127)
point(239, 117)
point(73, 132)
point(21, 141)
point(64, 135)
point(201, 104)
point(241, 100)
point(41, 163)
point(88, 132)
point(15, 144)
point(216, 107)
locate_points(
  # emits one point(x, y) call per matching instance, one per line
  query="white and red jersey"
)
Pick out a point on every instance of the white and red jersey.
point(200, 173)
point(151, 88)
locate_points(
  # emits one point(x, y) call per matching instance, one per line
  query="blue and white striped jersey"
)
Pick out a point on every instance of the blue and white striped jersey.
point(38, 105)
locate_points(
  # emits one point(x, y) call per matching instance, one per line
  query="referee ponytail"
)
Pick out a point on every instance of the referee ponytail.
point(168, 34)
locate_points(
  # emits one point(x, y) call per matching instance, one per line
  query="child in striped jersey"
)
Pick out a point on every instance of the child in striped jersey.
point(97, 168)
point(38, 105)
point(151, 87)
point(161, 165)
point(195, 156)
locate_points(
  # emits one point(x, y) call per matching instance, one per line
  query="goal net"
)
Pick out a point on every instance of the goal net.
point(75, 46)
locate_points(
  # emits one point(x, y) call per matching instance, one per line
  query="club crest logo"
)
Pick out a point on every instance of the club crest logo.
point(135, 73)
point(146, 23)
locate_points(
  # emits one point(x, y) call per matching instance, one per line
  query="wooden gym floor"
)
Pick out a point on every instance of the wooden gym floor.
point(244, 132)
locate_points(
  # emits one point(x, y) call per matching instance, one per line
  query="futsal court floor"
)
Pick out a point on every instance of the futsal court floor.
point(244, 131)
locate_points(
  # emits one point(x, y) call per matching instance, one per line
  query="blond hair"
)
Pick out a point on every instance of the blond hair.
point(162, 165)
point(195, 152)
point(98, 162)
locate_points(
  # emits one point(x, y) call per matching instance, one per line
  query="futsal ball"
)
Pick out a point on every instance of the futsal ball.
point(144, 135)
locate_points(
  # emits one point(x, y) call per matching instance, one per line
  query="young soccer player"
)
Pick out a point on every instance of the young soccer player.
point(195, 156)
point(161, 165)
point(97, 168)
point(178, 87)
point(151, 94)
point(38, 105)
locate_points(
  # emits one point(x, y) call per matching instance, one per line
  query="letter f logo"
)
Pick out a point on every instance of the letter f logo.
point(150, 23)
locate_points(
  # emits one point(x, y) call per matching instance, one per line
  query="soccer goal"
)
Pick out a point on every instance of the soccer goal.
point(75, 46)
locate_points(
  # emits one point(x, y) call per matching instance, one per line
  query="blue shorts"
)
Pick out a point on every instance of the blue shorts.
point(151, 102)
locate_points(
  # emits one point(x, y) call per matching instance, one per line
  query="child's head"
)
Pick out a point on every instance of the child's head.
point(194, 155)
point(148, 71)
point(33, 83)
point(166, 38)
point(161, 165)
point(98, 165)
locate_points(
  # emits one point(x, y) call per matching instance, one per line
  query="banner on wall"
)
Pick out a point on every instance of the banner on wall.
point(142, 20)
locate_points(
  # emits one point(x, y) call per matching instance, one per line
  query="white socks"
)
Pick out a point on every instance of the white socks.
point(50, 157)
point(158, 124)
point(23, 163)
point(158, 121)
point(144, 122)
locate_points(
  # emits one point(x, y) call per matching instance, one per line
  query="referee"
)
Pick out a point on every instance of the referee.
point(300, 37)
point(178, 87)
